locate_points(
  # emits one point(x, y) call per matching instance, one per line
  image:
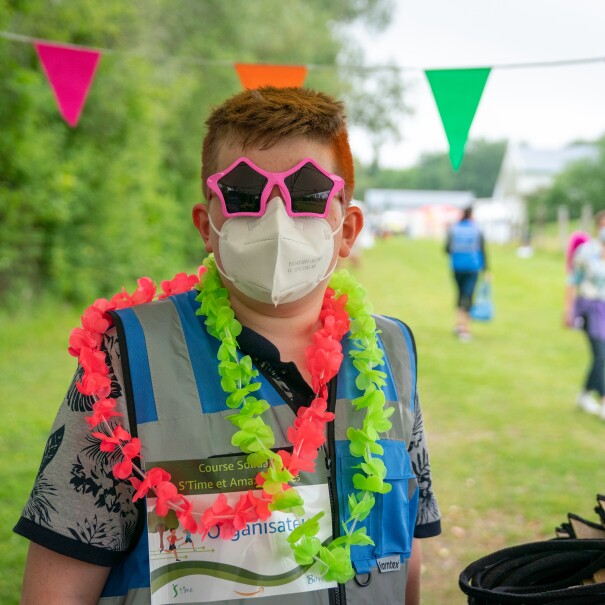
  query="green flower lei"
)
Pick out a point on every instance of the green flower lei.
point(256, 438)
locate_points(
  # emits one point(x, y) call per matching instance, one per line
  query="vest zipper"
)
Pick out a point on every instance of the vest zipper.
point(338, 593)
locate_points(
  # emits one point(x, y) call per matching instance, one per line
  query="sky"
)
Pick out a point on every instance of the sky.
point(546, 107)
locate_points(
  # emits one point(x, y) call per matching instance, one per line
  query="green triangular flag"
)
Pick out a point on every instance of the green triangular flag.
point(457, 93)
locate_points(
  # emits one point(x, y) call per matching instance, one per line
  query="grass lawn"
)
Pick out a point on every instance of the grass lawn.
point(511, 455)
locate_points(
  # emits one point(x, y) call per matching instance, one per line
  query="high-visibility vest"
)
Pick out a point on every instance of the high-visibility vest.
point(170, 372)
point(465, 247)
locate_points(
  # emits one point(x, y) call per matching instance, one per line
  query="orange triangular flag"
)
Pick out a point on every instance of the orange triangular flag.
point(70, 72)
point(253, 75)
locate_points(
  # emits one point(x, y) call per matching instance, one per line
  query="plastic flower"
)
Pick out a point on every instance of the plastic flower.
point(153, 477)
point(109, 442)
point(103, 306)
point(130, 450)
point(93, 361)
point(185, 515)
point(93, 320)
point(167, 497)
point(316, 412)
point(306, 439)
point(261, 505)
point(103, 410)
point(123, 469)
point(181, 282)
point(93, 383)
point(145, 291)
point(294, 463)
point(221, 515)
point(81, 338)
point(121, 300)
point(244, 511)
point(324, 358)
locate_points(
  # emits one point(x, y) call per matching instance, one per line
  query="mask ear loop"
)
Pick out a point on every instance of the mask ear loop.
point(334, 233)
point(218, 233)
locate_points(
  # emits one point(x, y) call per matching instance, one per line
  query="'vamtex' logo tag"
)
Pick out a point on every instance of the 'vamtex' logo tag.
point(389, 564)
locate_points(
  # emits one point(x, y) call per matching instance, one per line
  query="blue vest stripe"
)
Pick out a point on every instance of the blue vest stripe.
point(200, 350)
point(139, 367)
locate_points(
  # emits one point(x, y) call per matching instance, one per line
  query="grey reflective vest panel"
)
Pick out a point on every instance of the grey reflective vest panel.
point(170, 369)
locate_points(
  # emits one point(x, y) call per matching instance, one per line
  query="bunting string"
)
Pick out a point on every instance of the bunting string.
point(367, 67)
point(457, 91)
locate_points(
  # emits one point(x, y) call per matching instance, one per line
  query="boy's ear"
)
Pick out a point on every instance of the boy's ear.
point(350, 230)
point(202, 223)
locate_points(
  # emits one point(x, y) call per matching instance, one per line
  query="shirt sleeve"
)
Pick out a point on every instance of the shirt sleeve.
point(428, 519)
point(76, 507)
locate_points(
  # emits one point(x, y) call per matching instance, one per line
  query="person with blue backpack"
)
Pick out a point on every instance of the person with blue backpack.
point(466, 248)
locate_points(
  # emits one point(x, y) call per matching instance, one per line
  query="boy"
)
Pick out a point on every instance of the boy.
point(278, 179)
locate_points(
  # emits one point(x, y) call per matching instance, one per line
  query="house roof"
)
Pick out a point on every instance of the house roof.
point(550, 161)
point(395, 199)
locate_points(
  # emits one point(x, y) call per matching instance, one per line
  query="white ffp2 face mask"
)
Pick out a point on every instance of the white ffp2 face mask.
point(275, 258)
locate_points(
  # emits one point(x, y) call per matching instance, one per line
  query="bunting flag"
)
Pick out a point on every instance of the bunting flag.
point(457, 93)
point(253, 75)
point(70, 72)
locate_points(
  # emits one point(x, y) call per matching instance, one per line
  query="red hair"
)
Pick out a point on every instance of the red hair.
point(264, 116)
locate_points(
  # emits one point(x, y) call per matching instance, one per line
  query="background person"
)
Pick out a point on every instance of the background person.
point(585, 307)
point(466, 248)
point(255, 142)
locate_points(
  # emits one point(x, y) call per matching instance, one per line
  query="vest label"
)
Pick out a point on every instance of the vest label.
point(244, 563)
point(387, 564)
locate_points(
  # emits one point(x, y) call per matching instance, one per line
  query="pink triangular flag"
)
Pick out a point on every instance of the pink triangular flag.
point(70, 72)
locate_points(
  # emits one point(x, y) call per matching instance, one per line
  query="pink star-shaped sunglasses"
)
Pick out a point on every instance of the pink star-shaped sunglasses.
point(244, 188)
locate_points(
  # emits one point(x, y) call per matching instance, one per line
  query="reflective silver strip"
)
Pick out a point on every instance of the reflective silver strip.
point(398, 356)
point(200, 435)
point(136, 596)
point(383, 588)
point(172, 377)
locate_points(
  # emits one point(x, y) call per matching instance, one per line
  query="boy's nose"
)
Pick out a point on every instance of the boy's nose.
point(275, 192)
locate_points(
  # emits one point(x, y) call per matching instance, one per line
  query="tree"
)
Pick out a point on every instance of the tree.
point(84, 211)
point(478, 173)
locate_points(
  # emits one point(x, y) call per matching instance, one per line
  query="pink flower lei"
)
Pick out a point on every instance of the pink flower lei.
point(306, 435)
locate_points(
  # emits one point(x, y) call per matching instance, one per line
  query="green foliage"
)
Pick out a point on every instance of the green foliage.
point(478, 173)
point(85, 211)
point(581, 183)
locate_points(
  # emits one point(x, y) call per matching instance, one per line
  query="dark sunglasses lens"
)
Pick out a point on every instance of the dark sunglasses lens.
point(309, 189)
point(242, 189)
